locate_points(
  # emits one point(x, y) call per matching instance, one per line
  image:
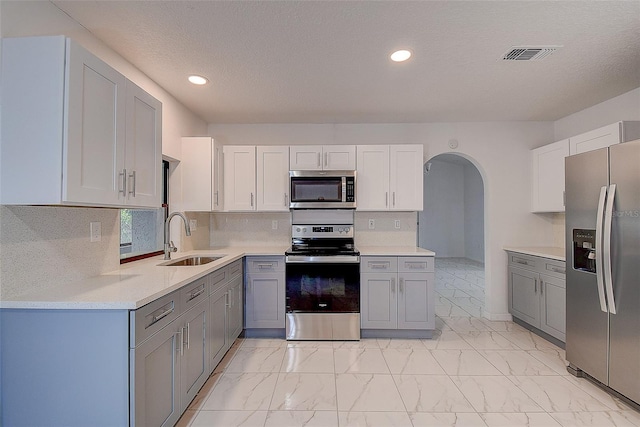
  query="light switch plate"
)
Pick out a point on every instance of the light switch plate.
point(396, 224)
point(193, 224)
point(372, 224)
point(95, 230)
point(274, 224)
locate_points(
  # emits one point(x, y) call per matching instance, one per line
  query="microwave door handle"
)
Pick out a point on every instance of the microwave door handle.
point(344, 189)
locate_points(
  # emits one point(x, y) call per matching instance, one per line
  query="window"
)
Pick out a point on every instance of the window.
point(142, 230)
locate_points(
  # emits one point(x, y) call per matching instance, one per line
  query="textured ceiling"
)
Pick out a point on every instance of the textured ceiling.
point(327, 61)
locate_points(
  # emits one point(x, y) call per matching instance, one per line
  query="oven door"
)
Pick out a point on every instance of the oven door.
point(325, 284)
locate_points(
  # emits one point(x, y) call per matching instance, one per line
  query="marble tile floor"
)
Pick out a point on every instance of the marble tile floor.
point(474, 372)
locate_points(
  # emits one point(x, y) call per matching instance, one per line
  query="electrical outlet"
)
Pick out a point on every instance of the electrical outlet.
point(193, 224)
point(372, 224)
point(396, 224)
point(95, 231)
point(274, 224)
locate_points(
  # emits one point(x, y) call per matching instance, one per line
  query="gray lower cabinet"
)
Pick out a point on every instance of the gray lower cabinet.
point(265, 294)
point(537, 292)
point(397, 293)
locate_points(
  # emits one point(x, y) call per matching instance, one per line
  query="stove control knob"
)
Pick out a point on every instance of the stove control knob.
point(298, 229)
point(304, 229)
point(346, 229)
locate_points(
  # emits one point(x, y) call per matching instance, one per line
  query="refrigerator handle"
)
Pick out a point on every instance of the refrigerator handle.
point(608, 219)
point(599, 249)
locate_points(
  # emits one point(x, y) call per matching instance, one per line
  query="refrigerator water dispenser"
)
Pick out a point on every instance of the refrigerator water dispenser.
point(584, 250)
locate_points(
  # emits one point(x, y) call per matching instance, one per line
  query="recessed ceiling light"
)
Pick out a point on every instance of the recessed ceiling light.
point(400, 55)
point(198, 80)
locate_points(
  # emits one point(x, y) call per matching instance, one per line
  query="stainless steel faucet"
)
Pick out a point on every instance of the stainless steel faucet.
point(168, 244)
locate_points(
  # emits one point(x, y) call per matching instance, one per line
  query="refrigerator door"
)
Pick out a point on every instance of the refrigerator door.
point(587, 325)
point(624, 353)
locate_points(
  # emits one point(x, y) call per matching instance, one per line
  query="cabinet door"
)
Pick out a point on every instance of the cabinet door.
point(143, 157)
point(548, 177)
point(416, 306)
point(305, 157)
point(196, 165)
point(194, 363)
point(94, 147)
point(156, 394)
point(597, 138)
point(239, 178)
point(273, 178)
point(406, 177)
point(553, 309)
point(265, 300)
point(236, 301)
point(524, 300)
point(339, 157)
point(373, 177)
point(218, 344)
point(378, 301)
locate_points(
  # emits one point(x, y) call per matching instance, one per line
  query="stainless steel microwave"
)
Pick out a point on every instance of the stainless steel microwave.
point(322, 189)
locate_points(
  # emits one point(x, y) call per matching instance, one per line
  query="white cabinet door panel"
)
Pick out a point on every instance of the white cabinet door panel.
point(339, 157)
point(595, 139)
point(406, 177)
point(239, 178)
point(372, 177)
point(273, 178)
point(413, 301)
point(305, 157)
point(379, 300)
point(548, 177)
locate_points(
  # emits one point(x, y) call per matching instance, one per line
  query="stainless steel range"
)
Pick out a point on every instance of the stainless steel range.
point(323, 277)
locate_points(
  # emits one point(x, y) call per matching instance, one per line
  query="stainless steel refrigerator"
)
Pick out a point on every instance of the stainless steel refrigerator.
point(603, 266)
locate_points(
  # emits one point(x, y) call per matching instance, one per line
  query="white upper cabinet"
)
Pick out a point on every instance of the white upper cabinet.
point(389, 177)
point(406, 177)
point(272, 178)
point(604, 137)
point(322, 157)
point(74, 130)
point(239, 178)
point(202, 174)
point(548, 177)
point(372, 178)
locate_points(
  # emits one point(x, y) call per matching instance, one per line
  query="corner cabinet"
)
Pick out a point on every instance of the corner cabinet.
point(397, 294)
point(202, 177)
point(537, 293)
point(322, 157)
point(548, 177)
point(390, 177)
point(94, 137)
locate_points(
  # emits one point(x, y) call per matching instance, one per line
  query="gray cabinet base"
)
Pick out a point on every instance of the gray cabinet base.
point(537, 331)
point(396, 333)
point(264, 333)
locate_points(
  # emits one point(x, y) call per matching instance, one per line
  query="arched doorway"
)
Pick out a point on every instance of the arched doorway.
point(452, 225)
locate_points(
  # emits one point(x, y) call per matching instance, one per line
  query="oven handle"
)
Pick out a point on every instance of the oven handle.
point(324, 259)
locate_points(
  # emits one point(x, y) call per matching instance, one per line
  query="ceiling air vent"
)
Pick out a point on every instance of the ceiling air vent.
point(529, 53)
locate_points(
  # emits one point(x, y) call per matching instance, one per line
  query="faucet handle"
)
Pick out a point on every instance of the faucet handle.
point(172, 247)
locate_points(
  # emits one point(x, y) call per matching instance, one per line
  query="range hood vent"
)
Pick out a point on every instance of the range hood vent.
point(529, 53)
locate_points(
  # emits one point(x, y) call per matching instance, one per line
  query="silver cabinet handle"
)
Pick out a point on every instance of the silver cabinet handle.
point(378, 265)
point(226, 300)
point(541, 287)
point(270, 265)
point(286, 198)
point(251, 199)
point(231, 298)
point(401, 285)
point(394, 199)
point(386, 198)
point(188, 336)
point(393, 286)
point(319, 160)
point(326, 159)
point(412, 265)
point(519, 261)
point(123, 174)
point(194, 295)
point(181, 341)
point(132, 175)
point(535, 286)
point(161, 315)
point(216, 198)
point(599, 251)
point(608, 277)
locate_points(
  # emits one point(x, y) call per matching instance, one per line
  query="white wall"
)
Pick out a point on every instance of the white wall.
point(473, 214)
point(500, 150)
point(620, 108)
point(58, 235)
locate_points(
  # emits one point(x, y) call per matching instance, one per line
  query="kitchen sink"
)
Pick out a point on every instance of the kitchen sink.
point(194, 260)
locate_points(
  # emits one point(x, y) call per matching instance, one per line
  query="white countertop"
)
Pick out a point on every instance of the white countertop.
point(541, 251)
point(138, 283)
point(395, 251)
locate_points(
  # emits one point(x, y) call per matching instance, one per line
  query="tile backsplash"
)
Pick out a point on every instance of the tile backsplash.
point(45, 245)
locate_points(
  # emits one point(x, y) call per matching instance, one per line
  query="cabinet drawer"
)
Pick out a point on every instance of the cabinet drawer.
point(520, 260)
point(265, 264)
point(235, 268)
point(554, 268)
point(415, 264)
point(194, 292)
point(218, 278)
point(149, 319)
point(378, 264)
